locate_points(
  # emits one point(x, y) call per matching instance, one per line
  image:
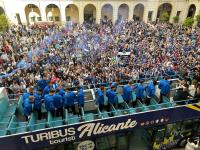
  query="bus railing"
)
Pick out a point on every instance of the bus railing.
point(14, 95)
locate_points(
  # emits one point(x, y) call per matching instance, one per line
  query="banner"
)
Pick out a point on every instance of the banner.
point(97, 128)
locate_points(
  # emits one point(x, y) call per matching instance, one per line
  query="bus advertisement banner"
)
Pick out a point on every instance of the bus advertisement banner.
point(97, 128)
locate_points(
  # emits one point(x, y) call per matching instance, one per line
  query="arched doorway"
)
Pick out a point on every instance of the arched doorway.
point(164, 12)
point(32, 13)
point(90, 13)
point(107, 12)
point(71, 13)
point(2, 11)
point(123, 11)
point(138, 12)
point(52, 12)
point(191, 11)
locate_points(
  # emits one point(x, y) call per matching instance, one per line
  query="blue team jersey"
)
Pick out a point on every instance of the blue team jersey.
point(127, 95)
point(49, 102)
point(24, 97)
point(100, 97)
point(58, 100)
point(37, 101)
point(46, 90)
point(28, 107)
point(42, 84)
point(112, 96)
point(140, 91)
point(150, 89)
point(69, 98)
point(164, 86)
point(80, 97)
point(62, 92)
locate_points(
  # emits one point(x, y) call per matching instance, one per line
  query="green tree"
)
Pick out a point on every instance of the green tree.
point(198, 18)
point(164, 17)
point(189, 21)
point(4, 23)
point(176, 19)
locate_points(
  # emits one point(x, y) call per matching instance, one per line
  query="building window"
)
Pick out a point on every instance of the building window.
point(50, 18)
point(150, 13)
point(178, 13)
point(39, 18)
point(68, 18)
point(33, 19)
point(57, 18)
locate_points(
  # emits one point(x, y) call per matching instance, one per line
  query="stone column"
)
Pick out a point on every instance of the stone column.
point(115, 13)
point(130, 14)
point(81, 14)
point(22, 14)
point(196, 13)
point(98, 14)
point(173, 14)
point(145, 15)
point(62, 13)
point(154, 15)
point(43, 12)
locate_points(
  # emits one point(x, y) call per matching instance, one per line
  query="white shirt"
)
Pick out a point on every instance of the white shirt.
point(192, 90)
point(191, 146)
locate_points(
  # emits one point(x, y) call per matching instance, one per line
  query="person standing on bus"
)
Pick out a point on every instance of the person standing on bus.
point(112, 97)
point(127, 95)
point(47, 88)
point(62, 91)
point(38, 103)
point(42, 83)
point(139, 92)
point(49, 102)
point(100, 98)
point(164, 86)
point(150, 90)
point(191, 144)
point(69, 99)
point(28, 106)
point(27, 94)
point(80, 99)
point(58, 103)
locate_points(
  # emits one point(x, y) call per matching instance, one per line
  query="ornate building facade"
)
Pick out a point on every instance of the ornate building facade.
point(30, 11)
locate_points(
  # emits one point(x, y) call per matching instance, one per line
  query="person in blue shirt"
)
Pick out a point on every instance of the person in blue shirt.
point(139, 92)
point(127, 95)
point(164, 86)
point(28, 106)
point(38, 103)
point(150, 90)
point(69, 99)
point(58, 103)
point(100, 97)
point(42, 83)
point(62, 91)
point(115, 84)
point(49, 102)
point(47, 89)
point(112, 97)
point(80, 99)
point(27, 94)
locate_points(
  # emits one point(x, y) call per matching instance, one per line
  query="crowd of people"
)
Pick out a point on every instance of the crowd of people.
point(88, 54)
point(50, 59)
